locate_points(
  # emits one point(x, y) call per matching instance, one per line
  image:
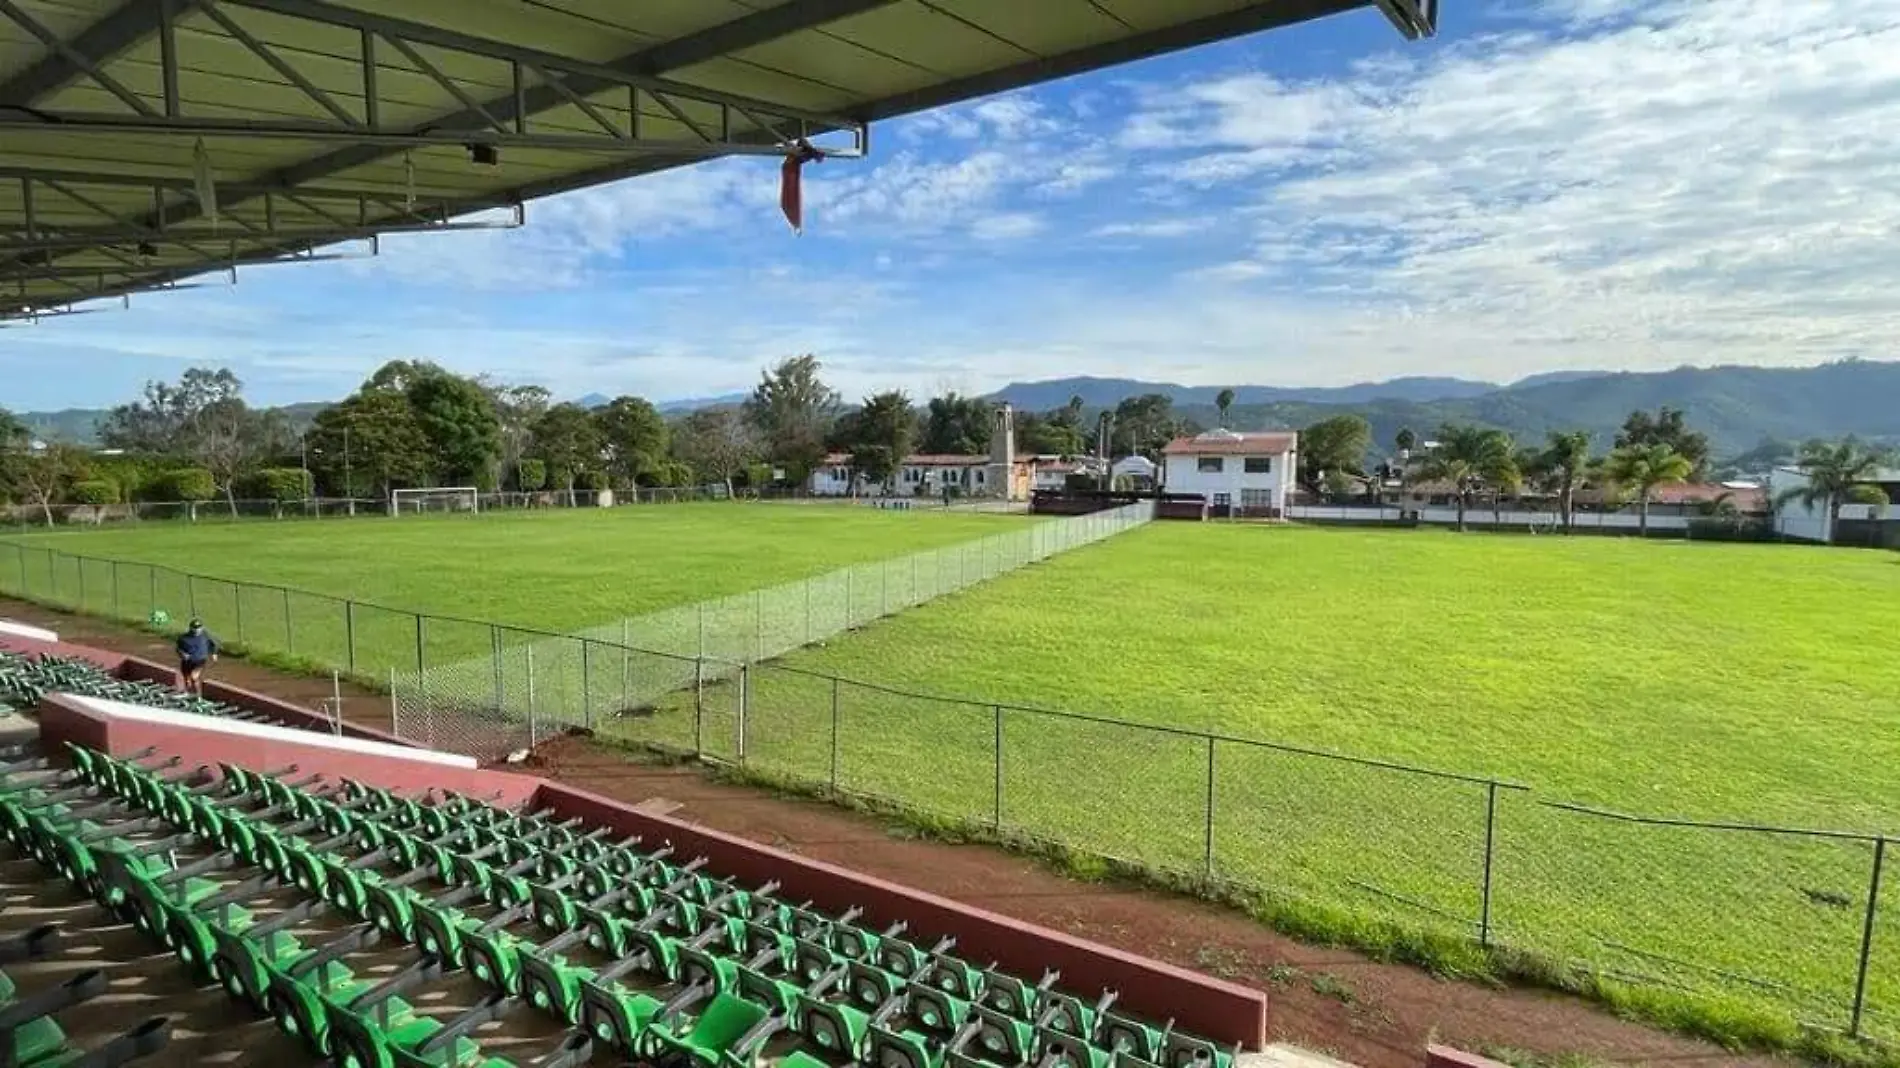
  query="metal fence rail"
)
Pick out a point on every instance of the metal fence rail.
point(576, 674)
point(1787, 922)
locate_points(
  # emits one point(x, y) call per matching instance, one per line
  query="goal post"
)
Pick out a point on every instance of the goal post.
point(436, 500)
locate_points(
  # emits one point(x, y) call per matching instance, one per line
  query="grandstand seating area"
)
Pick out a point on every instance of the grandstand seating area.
point(24, 679)
point(345, 911)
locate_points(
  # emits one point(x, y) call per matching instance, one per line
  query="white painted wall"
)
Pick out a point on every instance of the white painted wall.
point(1182, 474)
point(8, 626)
point(246, 729)
point(1485, 517)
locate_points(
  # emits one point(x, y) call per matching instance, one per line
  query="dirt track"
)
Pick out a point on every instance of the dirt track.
point(1333, 1001)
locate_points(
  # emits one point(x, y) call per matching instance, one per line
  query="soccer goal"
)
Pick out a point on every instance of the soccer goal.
point(429, 501)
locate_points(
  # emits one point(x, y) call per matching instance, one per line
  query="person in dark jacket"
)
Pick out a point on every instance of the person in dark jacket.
point(196, 648)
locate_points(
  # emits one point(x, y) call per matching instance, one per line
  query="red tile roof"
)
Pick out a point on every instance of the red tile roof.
point(1218, 443)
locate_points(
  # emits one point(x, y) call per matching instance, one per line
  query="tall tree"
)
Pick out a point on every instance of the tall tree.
point(1837, 473)
point(516, 409)
point(957, 425)
point(225, 437)
point(1051, 433)
point(371, 440)
point(1224, 403)
point(793, 410)
point(568, 441)
point(1667, 427)
point(1644, 467)
point(633, 439)
point(458, 418)
point(1564, 462)
point(882, 432)
point(1469, 459)
point(163, 419)
point(1335, 444)
point(1405, 441)
point(717, 442)
point(1144, 424)
point(44, 475)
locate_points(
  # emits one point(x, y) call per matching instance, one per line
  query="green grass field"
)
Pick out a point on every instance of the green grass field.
point(553, 571)
point(1703, 681)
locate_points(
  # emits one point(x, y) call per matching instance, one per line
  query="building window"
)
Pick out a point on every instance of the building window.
point(1256, 498)
point(1211, 465)
point(979, 476)
point(1259, 465)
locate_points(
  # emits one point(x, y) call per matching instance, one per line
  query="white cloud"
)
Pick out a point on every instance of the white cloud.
point(1664, 183)
point(1007, 226)
point(1154, 228)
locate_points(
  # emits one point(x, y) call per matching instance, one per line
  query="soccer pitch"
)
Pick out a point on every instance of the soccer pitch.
point(1710, 682)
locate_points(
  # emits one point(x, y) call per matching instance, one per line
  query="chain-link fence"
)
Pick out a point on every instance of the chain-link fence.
point(1790, 924)
point(710, 637)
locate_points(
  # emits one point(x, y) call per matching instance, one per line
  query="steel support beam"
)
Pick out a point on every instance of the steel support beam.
point(84, 123)
point(83, 239)
point(1413, 18)
point(131, 22)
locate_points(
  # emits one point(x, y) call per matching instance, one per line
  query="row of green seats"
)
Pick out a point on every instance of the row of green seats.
point(30, 1035)
point(25, 679)
point(758, 960)
point(193, 914)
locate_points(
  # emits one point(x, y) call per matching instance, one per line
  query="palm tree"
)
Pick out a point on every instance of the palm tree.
point(1837, 473)
point(1565, 461)
point(1223, 402)
point(1471, 458)
point(1643, 468)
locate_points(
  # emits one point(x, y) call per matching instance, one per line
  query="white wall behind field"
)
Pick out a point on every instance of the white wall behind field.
point(1485, 517)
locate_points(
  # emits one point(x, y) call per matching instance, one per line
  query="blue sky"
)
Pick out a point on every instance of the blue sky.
point(1552, 184)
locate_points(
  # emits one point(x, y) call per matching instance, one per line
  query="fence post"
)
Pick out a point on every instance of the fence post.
point(699, 707)
point(151, 594)
point(834, 735)
point(395, 706)
point(850, 574)
point(349, 633)
point(191, 594)
point(1867, 936)
point(495, 660)
point(290, 632)
point(420, 661)
point(702, 630)
point(807, 640)
point(533, 740)
point(883, 589)
point(82, 582)
point(116, 611)
point(19, 553)
point(587, 685)
point(1490, 842)
point(237, 607)
point(996, 817)
point(1207, 848)
point(626, 663)
point(758, 624)
point(745, 691)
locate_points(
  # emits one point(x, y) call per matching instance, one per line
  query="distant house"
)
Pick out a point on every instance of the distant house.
point(926, 475)
point(1238, 474)
point(1138, 472)
point(1863, 523)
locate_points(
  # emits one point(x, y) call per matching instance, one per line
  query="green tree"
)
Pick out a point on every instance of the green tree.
point(44, 475)
point(1644, 467)
point(1335, 444)
point(1837, 473)
point(881, 433)
point(1144, 424)
point(717, 443)
point(457, 417)
point(633, 439)
point(372, 439)
point(163, 421)
point(1564, 463)
point(957, 425)
point(1667, 427)
point(793, 410)
point(1224, 404)
point(1405, 441)
point(567, 439)
point(1469, 459)
point(531, 475)
point(516, 409)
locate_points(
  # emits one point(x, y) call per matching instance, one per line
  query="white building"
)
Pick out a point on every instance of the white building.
point(1803, 523)
point(920, 475)
point(1239, 474)
point(1138, 472)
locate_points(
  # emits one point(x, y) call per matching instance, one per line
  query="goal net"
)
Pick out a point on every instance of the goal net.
point(430, 501)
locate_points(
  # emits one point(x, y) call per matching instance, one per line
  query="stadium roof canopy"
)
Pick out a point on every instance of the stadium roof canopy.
point(143, 142)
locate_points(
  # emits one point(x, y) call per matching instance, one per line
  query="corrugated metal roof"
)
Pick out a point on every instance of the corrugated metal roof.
point(123, 123)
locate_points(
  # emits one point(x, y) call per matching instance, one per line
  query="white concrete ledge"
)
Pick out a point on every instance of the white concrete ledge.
point(40, 634)
point(245, 729)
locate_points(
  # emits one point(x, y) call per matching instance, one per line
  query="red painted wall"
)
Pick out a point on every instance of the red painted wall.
point(1201, 1005)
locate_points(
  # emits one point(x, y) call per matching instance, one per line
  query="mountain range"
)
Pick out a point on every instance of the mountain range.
point(1737, 407)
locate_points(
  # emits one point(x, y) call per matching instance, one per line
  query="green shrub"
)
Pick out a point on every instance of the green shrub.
point(274, 484)
point(758, 476)
point(95, 491)
point(591, 480)
point(531, 475)
point(182, 484)
point(672, 473)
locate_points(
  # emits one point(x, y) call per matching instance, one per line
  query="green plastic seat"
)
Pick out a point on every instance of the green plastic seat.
point(838, 1029)
point(1120, 1034)
point(615, 1015)
point(301, 1005)
point(715, 1037)
point(1059, 1049)
point(780, 996)
point(936, 1011)
point(1003, 1039)
point(900, 1049)
point(552, 984)
point(698, 966)
point(1186, 1051)
point(494, 958)
point(243, 965)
